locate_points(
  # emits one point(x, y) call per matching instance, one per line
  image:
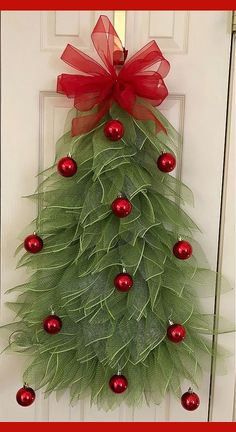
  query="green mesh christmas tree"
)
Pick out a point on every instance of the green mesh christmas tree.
point(111, 308)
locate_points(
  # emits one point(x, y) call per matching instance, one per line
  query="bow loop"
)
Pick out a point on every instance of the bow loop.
point(82, 62)
point(146, 57)
point(150, 85)
point(107, 43)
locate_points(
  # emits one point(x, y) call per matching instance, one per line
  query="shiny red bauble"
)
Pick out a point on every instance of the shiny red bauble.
point(33, 243)
point(118, 383)
point(190, 400)
point(25, 396)
point(176, 333)
point(166, 162)
point(182, 250)
point(121, 207)
point(67, 166)
point(52, 324)
point(123, 282)
point(114, 130)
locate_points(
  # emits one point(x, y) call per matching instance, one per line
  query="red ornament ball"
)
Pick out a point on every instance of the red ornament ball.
point(118, 383)
point(176, 333)
point(190, 400)
point(166, 162)
point(52, 324)
point(123, 282)
point(121, 207)
point(182, 250)
point(25, 396)
point(67, 166)
point(33, 243)
point(114, 130)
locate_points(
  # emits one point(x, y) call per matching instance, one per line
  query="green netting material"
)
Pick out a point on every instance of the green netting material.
point(86, 245)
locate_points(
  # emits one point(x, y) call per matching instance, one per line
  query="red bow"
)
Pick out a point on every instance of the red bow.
point(97, 87)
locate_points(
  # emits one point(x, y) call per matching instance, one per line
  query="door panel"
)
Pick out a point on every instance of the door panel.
point(197, 44)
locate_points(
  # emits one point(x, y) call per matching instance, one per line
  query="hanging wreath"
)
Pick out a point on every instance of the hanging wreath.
point(112, 304)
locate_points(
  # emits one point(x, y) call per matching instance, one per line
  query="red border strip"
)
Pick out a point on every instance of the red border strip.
point(117, 5)
point(117, 427)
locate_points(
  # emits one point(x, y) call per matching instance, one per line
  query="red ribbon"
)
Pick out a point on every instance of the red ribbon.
point(96, 88)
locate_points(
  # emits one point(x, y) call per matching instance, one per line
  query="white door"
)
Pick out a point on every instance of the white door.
point(197, 44)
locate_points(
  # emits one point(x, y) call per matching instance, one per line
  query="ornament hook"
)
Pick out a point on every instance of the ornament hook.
point(169, 317)
point(51, 308)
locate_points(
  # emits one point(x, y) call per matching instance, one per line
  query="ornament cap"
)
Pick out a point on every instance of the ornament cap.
point(51, 309)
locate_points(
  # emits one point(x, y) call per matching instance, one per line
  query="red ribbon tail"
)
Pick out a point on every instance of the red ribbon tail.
point(141, 112)
point(85, 123)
